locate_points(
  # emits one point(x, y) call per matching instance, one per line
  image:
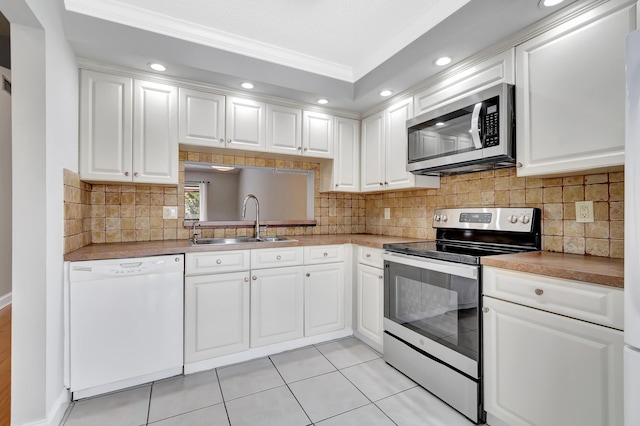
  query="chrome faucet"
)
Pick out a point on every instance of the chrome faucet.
point(195, 234)
point(244, 211)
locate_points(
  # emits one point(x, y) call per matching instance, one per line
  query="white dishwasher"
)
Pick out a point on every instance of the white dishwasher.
point(125, 322)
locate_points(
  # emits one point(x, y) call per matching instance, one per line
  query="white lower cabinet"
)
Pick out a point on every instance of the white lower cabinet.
point(541, 368)
point(323, 298)
point(276, 305)
point(369, 296)
point(216, 315)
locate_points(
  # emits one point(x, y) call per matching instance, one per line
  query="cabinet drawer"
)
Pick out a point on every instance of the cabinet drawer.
point(323, 254)
point(276, 257)
point(370, 256)
point(589, 302)
point(213, 262)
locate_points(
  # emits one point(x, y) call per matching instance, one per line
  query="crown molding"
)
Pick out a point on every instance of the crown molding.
point(147, 20)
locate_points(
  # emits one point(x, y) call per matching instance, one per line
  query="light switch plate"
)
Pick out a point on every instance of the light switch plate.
point(387, 213)
point(169, 212)
point(584, 211)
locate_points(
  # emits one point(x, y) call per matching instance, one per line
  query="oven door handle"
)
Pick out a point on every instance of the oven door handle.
point(457, 269)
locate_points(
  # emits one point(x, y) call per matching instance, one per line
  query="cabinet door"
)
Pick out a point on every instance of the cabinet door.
point(546, 369)
point(570, 94)
point(284, 130)
point(373, 152)
point(245, 124)
point(323, 298)
point(216, 315)
point(201, 119)
point(317, 135)
point(276, 305)
point(155, 133)
point(346, 164)
point(369, 297)
point(105, 127)
point(498, 69)
point(397, 176)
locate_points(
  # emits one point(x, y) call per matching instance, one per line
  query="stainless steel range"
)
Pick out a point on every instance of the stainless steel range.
point(433, 294)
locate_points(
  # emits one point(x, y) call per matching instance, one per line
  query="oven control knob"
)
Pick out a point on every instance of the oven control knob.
point(512, 218)
point(524, 219)
point(444, 217)
point(436, 218)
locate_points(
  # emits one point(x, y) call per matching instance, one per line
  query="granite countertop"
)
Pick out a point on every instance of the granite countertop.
point(591, 269)
point(153, 248)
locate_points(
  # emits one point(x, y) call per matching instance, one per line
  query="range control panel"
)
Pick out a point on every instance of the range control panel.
point(513, 219)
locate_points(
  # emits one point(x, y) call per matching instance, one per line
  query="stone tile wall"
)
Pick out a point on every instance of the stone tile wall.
point(77, 209)
point(412, 211)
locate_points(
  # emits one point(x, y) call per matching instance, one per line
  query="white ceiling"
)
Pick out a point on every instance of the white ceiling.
point(344, 50)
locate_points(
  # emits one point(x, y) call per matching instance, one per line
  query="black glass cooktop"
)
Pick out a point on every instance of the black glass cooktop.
point(468, 253)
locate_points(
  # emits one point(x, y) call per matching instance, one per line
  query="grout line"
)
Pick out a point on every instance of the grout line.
point(222, 395)
point(293, 394)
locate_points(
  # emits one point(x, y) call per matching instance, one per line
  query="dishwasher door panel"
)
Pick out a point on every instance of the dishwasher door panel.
point(124, 328)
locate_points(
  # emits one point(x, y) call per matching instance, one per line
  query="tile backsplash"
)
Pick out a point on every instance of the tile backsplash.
point(412, 211)
point(119, 213)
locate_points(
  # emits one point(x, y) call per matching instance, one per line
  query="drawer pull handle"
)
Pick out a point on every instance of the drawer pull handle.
point(325, 255)
point(254, 278)
point(539, 291)
point(218, 261)
point(485, 310)
point(308, 274)
point(368, 255)
point(246, 279)
point(278, 257)
point(380, 276)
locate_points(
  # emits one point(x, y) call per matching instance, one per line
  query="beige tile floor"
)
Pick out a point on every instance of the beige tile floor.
point(339, 383)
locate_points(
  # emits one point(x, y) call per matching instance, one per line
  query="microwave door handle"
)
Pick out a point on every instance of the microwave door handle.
point(475, 131)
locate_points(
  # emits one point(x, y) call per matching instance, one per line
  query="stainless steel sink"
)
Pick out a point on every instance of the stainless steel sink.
point(275, 239)
point(221, 241)
point(238, 240)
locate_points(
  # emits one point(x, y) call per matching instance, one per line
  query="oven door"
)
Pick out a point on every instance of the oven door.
point(434, 305)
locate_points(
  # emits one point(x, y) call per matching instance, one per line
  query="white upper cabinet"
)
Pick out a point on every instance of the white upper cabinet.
point(155, 133)
point(570, 94)
point(496, 70)
point(372, 151)
point(105, 127)
point(397, 176)
point(201, 120)
point(284, 130)
point(128, 130)
point(343, 173)
point(384, 151)
point(246, 124)
point(317, 134)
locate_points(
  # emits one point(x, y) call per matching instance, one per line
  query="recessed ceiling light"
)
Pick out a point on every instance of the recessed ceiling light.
point(157, 67)
point(550, 3)
point(442, 61)
point(323, 101)
point(247, 85)
point(386, 93)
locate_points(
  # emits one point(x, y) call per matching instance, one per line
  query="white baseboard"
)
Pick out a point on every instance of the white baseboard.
point(5, 300)
point(56, 413)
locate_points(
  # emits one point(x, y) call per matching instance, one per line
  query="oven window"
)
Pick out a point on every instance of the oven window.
point(441, 307)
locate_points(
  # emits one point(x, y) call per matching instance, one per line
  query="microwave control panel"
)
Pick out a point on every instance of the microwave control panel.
point(491, 123)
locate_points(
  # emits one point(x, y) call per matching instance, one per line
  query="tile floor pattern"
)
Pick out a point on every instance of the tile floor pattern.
point(340, 383)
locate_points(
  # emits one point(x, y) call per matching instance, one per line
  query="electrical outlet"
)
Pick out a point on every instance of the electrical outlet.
point(169, 212)
point(584, 211)
point(387, 213)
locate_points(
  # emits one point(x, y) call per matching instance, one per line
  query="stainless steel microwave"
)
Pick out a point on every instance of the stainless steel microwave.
point(472, 134)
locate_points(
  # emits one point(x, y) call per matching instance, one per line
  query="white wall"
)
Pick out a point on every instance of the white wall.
point(5, 187)
point(288, 201)
point(222, 193)
point(45, 93)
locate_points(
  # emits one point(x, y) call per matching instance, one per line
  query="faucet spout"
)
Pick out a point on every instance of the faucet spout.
point(244, 211)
